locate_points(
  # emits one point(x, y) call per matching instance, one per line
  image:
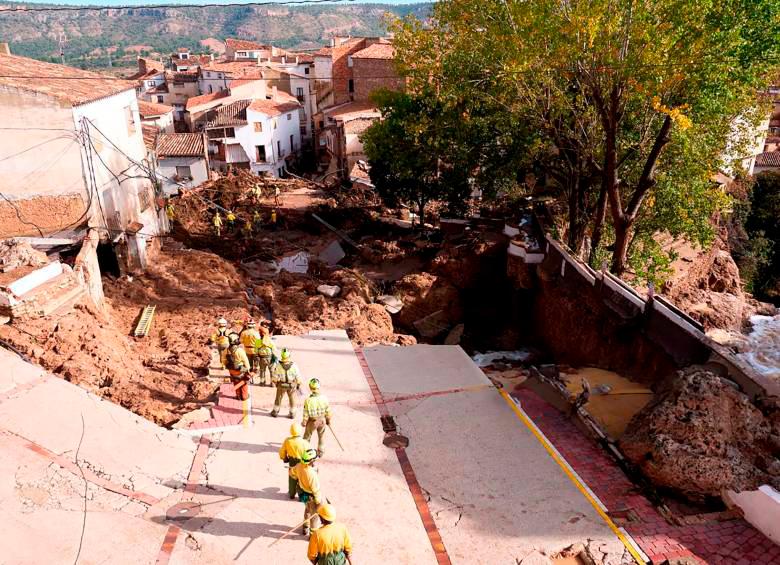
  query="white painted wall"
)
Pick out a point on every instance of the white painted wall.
point(163, 123)
point(167, 168)
point(249, 139)
point(212, 81)
point(761, 508)
point(119, 147)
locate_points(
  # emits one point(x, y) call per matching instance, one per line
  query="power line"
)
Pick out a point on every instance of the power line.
point(166, 6)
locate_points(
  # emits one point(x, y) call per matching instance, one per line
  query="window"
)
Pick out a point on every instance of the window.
point(230, 132)
point(184, 56)
point(292, 143)
point(299, 92)
point(289, 116)
point(349, 61)
point(183, 172)
point(144, 198)
point(351, 85)
point(306, 71)
point(159, 99)
point(280, 172)
point(208, 74)
point(130, 120)
point(275, 124)
point(259, 127)
point(150, 83)
point(211, 89)
point(278, 148)
point(260, 153)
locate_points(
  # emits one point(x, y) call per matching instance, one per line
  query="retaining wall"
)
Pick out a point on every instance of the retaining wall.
point(587, 317)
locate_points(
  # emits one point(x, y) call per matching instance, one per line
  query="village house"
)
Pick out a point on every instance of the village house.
point(156, 115)
point(245, 50)
point(240, 89)
point(182, 160)
point(293, 74)
point(373, 68)
point(150, 76)
point(339, 147)
point(76, 159)
point(184, 60)
point(261, 135)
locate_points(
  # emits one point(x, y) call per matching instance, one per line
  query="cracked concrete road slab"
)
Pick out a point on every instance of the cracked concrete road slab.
point(494, 492)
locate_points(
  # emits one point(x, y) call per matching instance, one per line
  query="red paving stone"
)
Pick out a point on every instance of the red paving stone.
point(229, 411)
point(729, 542)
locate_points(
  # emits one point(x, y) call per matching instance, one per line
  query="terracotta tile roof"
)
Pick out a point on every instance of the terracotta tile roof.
point(244, 45)
point(180, 145)
point(376, 51)
point(352, 111)
point(229, 67)
point(274, 107)
point(67, 84)
point(149, 109)
point(302, 57)
point(768, 159)
point(204, 99)
point(233, 114)
point(359, 125)
point(324, 52)
point(150, 135)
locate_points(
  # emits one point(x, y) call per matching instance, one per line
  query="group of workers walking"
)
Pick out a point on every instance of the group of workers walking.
point(251, 356)
point(249, 227)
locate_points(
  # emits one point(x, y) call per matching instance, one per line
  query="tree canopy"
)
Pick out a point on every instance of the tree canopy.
point(628, 107)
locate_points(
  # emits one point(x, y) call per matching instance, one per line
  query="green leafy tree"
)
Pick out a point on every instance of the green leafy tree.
point(629, 99)
point(414, 155)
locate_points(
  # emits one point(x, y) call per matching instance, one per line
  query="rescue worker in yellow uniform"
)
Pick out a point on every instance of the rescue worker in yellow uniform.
point(249, 336)
point(316, 415)
point(291, 452)
point(238, 366)
point(265, 349)
point(287, 379)
point(330, 544)
point(309, 491)
point(217, 221)
point(231, 220)
point(221, 341)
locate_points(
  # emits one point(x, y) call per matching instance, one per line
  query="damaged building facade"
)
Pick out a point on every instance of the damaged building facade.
point(76, 161)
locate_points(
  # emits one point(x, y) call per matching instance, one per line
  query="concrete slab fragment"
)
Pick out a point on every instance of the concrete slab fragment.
point(494, 490)
point(422, 368)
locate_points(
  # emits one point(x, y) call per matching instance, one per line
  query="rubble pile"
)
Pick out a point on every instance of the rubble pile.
point(701, 436)
point(15, 254)
point(296, 306)
point(157, 377)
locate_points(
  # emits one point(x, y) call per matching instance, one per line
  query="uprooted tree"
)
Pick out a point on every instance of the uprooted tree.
point(631, 105)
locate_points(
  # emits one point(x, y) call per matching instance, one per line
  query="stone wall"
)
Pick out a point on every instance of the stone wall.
point(373, 74)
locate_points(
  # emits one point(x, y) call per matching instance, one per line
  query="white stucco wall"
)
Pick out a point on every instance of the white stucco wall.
point(761, 508)
point(163, 123)
point(249, 139)
point(167, 167)
point(216, 80)
point(119, 148)
point(41, 137)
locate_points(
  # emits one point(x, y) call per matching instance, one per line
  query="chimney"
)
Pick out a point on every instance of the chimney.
point(273, 92)
point(332, 41)
point(5, 49)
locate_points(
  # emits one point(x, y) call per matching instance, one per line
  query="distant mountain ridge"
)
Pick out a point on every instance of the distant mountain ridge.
point(98, 38)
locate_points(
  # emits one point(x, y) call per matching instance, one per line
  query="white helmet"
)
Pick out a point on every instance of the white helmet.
point(222, 322)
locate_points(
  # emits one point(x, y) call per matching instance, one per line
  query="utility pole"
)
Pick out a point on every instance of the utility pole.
point(62, 40)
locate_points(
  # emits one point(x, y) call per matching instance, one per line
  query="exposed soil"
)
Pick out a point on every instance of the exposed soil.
point(157, 377)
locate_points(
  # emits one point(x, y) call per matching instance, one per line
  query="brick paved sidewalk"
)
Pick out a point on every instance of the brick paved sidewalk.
point(732, 541)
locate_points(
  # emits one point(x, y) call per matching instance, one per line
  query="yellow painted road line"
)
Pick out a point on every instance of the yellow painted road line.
point(577, 483)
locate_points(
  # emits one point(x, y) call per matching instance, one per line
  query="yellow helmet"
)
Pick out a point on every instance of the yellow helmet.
point(285, 356)
point(296, 430)
point(308, 456)
point(327, 512)
point(314, 384)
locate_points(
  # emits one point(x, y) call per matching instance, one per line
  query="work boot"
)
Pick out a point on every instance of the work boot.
point(306, 530)
point(291, 415)
point(274, 413)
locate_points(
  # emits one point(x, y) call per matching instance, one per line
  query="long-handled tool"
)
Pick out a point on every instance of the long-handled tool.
point(291, 531)
point(336, 438)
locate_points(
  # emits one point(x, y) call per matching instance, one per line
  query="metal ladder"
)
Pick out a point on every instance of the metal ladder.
point(145, 323)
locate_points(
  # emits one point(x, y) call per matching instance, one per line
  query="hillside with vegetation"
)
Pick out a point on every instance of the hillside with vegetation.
point(92, 37)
